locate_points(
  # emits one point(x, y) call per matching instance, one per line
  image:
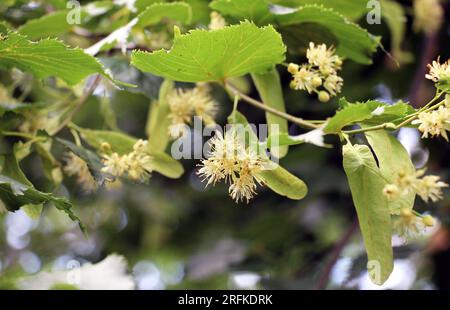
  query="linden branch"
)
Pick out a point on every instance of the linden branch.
point(314, 124)
point(258, 104)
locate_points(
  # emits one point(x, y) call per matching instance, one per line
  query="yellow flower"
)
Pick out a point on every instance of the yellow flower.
point(114, 164)
point(137, 165)
point(186, 103)
point(428, 15)
point(438, 71)
point(303, 80)
point(75, 166)
point(230, 161)
point(434, 123)
point(323, 58)
point(429, 187)
point(333, 84)
point(408, 225)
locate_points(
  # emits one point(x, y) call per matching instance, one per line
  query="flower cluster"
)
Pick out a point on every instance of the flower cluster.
point(137, 165)
point(75, 166)
point(408, 223)
point(231, 161)
point(319, 75)
point(428, 15)
point(186, 103)
point(428, 187)
point(434, 123)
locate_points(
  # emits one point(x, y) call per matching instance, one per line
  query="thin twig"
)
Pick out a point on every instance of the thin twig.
point(335, 253)
point(258, 104)
point(81, 102)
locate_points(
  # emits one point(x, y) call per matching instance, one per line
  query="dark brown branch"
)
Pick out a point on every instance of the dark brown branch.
point(334, 256)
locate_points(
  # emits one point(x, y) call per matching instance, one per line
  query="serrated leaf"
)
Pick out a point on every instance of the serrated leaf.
point(269, 88)
point(353, 9)
point(156, 12)
point(348, 115)
point(392, 159)
point(123, 143)
point(366, 184)
point(202, 55)
point(49, 25)
point(390, 113)
point(370, 112)
point(17, 191)
point(48, 57)
point(353, 42)
point(254, 10)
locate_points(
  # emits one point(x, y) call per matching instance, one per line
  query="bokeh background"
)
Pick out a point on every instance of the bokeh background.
point(175, 234)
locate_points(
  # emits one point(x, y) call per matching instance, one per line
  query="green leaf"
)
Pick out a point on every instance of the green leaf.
point(92, 160)
point(202, 55)
point(254, 10)
point(353, 41)
point(33, 211)
point(48, 57)
point(350, 114)
point(17, 191)
point(391, 113)
point(370, 112)
point(366, 184)
point(155, 13)
point(392, 159)
point(444, 84)
point(123, 143)
point(50, 25)
point(269, 88)
point(284, 183)
point(158, 121)
point(353, 9)
point(395, 17)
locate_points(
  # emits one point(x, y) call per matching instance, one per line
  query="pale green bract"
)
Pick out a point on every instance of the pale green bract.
point(48, 57)
point(202, 55)
point(366, 184)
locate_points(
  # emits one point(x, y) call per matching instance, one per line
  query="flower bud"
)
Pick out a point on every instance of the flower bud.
point(324, 96)
point(405, 212)
point(105, 147)
point(428, 220)
point(316, 81)
point(293, 68)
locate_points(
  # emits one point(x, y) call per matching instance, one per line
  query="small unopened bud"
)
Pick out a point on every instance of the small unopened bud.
point(293, 85)
point(391, 191)
point(338, 62)
point(316, 81)
point(293, 68)
point(324, 96)
point(105, 147)
point(428, 220)
point(405, 212)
